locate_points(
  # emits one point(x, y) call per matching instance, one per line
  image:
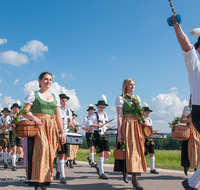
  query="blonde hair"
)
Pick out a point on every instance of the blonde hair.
point(125, 84)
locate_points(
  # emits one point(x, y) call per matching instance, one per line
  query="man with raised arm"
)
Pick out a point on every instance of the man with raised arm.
point(193, 67)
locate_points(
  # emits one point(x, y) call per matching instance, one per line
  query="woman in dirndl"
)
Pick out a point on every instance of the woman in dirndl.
point(190, 154)
point(130, 132)
point(42, 147)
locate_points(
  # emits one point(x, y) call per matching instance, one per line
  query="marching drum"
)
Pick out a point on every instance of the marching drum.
point(111, 132)
point(159, 136)
point(74, 138)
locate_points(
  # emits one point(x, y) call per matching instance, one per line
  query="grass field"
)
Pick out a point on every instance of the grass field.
point(165, 159)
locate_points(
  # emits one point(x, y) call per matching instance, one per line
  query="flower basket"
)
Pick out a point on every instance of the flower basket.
point(180, 132)
point(26, 129)
point(119, 154)
point(148, 132)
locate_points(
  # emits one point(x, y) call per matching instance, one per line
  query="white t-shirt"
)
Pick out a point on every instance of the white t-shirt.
point(66, 117)
point(186, 110)
point(85, 124)
point(30, 98)
point(93, 120)
point(119, 102)
point(193, 67)
point(149, 121)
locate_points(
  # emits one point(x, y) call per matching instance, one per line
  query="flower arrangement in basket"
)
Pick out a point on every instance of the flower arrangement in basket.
point(120, 154)
point(137, 110)
point(20, 127)
point(174, 123)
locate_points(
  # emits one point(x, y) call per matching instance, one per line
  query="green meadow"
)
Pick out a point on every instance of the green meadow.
point(165, 159)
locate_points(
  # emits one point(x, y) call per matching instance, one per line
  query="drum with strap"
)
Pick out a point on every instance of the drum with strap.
point(74, 138)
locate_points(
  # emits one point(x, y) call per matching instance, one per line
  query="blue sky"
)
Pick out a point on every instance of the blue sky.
point(92, 46)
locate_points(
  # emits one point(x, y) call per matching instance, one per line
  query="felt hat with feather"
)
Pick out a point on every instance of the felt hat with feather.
point(17, 104)
point(90, 107)
point(146, 107)
point(196, 45)
point(5, 109)
point(63, 95)
point(73, 114)
point(102, 102)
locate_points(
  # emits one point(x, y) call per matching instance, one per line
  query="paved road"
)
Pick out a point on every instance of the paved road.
point(84, 177)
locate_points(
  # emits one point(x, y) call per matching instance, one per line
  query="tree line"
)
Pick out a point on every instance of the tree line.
point(160, 144)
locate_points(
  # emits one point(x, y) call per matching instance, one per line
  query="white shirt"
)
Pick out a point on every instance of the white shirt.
point(119, 102)
point(85, 124)
point(93, 120)
point(30, 98)
point(1, 123)
point(8, 120)
point(186, 110)
point(193, 67)
point(149, 121)
point(66, 116)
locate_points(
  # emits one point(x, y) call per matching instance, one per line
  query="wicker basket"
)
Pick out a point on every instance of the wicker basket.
point(148, 132)
point(181, 132)
point(119, 154)
point(26, 129)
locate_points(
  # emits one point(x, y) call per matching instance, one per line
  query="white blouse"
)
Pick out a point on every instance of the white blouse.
point(119, 102)
point(30, 98)
point(186, 110)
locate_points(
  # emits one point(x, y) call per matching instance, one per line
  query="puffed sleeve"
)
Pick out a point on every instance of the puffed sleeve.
point(57, 100)
point(186, 110)
point(119, 102)
point(138, 99)
point(30, 98)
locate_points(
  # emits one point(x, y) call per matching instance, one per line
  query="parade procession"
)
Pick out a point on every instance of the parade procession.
point(111, 121)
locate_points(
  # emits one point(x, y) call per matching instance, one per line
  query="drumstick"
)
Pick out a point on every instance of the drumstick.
point(173, 10)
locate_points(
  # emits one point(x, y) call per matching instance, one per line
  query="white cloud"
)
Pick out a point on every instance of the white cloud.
point(16, 81)
point(0, 81)
point(13, 58)
point(35, 48)
point(71, 76)
point(6, 100)
point(56, 89)
point(63, 75)
point(8, 72)
point(3, 41)
point(113, 108)
point(165, 107)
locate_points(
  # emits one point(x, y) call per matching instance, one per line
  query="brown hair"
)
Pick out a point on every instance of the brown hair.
point(43, 74)
point(125, 84)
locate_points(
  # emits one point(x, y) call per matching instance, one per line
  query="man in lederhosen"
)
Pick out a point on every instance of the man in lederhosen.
point(65, 149)
point(16, 142)
point(193, 67)
point(89, 135)
point(98, 121)
point(149, 142)
point(4, 136)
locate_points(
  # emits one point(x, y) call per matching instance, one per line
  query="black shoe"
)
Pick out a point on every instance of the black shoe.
point(89, 161)
point(74, 162)
point(186, 168)
point(70, 164)
point(57, 175)
point(63, 180)
point(136, 187)
point(154, 171)
point(186, 185)
point(92, 164)
point(37, 188)
point(125, 177)
point(103, 176)
point(96, 168)
point(5, 165)
point(14, 168)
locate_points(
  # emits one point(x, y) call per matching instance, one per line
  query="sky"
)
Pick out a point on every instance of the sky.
point(91, 47)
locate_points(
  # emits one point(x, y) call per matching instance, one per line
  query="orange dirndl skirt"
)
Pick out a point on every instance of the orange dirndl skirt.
point(134, 138)
point(44, 150)
point(194, 147)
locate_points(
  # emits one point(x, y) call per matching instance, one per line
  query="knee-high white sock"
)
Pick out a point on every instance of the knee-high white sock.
point(17, 157)
point(195, 179)
point(152, 162)
point(13, 158)
point(105, 159)
point(58, 168)
point(5, 157)
point(100, 162)
point(92, 157)
point(66, 160)
point(62, 168)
